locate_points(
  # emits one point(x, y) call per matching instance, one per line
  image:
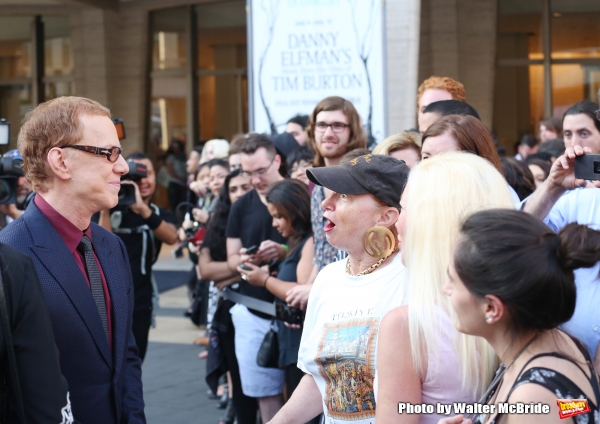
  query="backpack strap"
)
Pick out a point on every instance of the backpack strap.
point(10, 352)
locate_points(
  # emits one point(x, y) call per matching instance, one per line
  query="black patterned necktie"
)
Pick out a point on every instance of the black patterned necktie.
point(85, 247)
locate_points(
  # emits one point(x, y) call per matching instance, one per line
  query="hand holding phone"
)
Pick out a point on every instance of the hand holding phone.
point(251, 250)
point(587, 167)
point(245, 267)
point(288, 314)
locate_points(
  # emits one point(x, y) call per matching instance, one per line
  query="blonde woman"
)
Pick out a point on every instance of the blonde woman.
point(215, 149)
point(404, 146)
point(423, 359)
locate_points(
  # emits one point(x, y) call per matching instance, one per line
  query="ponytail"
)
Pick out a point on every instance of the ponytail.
point(579, 247)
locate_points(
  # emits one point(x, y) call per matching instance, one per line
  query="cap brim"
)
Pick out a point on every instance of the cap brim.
point(335, 178)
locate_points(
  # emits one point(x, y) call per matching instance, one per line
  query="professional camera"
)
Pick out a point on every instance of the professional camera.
point(10, 171)
point(137, 171)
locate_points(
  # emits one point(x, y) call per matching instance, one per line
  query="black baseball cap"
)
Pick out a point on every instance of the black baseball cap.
point(382, 176)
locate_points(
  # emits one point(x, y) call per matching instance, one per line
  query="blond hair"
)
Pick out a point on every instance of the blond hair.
point(220, 149)
point(443, 192)
point(52, 124)
point(400, 141)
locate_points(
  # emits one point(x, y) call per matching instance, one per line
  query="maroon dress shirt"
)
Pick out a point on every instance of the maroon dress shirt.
point(72, 235)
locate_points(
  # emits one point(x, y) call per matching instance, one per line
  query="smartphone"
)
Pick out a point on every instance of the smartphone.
point(288, 314)
point(587, 167)
point(251, 250)
point(245, 267)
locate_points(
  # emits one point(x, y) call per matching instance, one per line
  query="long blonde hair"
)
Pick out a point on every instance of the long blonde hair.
point(443, 191)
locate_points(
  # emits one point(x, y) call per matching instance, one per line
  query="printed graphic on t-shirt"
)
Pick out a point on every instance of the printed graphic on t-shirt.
point(346, 360)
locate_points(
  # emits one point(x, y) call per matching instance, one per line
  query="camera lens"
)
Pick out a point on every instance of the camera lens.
point(596, 167)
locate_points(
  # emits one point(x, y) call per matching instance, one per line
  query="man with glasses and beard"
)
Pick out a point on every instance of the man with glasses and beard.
point(72, 157)
point(334, 129)
point(250, 224)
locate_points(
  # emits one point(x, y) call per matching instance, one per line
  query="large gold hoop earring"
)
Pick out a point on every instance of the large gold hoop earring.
point(379, 242)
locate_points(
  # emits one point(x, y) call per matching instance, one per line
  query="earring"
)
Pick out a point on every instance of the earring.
point(489, 320)
point(379, 242)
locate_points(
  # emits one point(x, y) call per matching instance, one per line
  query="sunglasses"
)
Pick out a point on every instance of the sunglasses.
point(112, 153)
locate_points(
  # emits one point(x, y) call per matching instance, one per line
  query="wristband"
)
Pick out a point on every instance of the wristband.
point(153, 221)
point(265, 283)
point(285, 248)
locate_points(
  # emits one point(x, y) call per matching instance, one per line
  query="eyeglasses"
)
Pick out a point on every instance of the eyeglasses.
point(258, 172)
point(112, 153)
point(336, 127)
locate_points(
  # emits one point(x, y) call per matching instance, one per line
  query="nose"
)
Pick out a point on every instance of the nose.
point(329, 130)
point(120, 166)
point(328, 203)
point(255, 180)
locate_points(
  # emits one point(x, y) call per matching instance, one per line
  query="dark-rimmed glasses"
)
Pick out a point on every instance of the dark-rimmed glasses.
point(112, 153)
point(336, 127)
point(258, 171)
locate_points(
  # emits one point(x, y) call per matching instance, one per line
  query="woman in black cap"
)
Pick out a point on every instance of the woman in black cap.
point(350, 297)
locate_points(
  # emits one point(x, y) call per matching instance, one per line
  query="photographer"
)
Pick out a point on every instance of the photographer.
point(143, 227)
point(10, 212)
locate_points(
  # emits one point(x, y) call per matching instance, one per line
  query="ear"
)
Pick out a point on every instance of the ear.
point(388, 217)
point(57, 163)
point(277, 160)
point(493, 309)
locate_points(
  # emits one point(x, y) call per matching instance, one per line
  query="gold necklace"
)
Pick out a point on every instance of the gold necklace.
point(368, 270)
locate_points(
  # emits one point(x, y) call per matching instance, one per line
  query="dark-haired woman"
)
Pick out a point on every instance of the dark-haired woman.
point(288, 202)
point(511, 282)
point(213, 266)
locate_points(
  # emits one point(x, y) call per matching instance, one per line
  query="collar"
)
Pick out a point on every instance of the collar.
point(70, 234)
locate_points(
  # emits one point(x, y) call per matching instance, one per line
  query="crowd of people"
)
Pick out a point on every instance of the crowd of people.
point(341, 284)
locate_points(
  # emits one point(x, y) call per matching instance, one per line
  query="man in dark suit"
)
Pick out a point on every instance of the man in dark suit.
point(72, 157)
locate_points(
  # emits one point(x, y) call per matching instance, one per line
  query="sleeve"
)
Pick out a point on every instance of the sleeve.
point(306, 352)
point(168, 216)
point(233, 229)
point(43, 388)
point(132, 398)
point(557, 218)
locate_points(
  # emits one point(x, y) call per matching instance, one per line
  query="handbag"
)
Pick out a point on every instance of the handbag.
point(268, 353)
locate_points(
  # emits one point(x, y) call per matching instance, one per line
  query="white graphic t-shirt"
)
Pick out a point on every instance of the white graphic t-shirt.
point(339, 339)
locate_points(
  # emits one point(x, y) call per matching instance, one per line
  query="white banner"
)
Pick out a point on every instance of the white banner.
point(305, 50)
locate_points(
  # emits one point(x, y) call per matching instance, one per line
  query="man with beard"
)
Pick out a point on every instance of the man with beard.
point(334, 128)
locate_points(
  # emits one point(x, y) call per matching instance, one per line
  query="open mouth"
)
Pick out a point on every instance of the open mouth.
point(329, 226)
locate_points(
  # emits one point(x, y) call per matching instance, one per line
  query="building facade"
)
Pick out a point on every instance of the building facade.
point(178, 69)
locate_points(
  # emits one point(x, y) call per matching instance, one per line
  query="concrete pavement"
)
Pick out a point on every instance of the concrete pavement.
point(172, 373)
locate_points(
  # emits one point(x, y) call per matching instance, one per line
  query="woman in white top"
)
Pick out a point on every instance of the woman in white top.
point(338, 351)
point(423, 359)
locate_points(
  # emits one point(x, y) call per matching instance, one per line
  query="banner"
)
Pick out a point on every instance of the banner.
point(302, 51)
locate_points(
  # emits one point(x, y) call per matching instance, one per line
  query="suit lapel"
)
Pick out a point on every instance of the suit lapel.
point(58, 260)
point(118, 293)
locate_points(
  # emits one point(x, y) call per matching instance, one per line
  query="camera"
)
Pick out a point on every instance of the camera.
point(137, 171)
point(10, 171)
point(587, 167)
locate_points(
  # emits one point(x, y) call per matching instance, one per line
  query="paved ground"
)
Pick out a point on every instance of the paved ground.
point(173, 375)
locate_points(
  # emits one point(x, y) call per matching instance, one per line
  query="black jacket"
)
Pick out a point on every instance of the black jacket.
point(43, 388)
